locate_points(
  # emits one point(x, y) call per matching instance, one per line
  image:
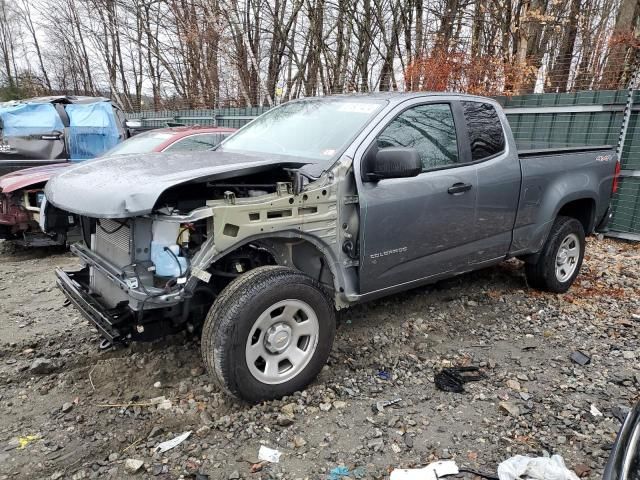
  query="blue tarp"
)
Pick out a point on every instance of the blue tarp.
point(92, 130)
point(30, 119)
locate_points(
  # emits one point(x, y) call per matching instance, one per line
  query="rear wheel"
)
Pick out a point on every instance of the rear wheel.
point(561, 258)
point(268, 334)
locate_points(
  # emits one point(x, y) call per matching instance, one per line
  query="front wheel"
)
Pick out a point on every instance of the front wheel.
point(268, 334)
point(561, 258)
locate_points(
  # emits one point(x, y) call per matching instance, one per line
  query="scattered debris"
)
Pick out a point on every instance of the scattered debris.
point(383, 374)
point(169, 444)
point(66, 407)
point(161, 403)
point(379, 406)
point(318, 441)
point(341, 471)
point(269, 454)
point(299, 442)
point(582, 470)
point(358, 472)
point(511, 408)
point(580, 358)
point(42, 366)
point(535, 468)
point(257, 467)
point(24, 441)
point(132, 465)
point(513, 385)
point(338, 472)
point(433, 471)
point(284, 420)
point(452, 379)
point(594, 411)
point(376, 444)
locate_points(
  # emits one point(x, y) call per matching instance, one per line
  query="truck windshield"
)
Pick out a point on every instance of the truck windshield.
point(317, 129)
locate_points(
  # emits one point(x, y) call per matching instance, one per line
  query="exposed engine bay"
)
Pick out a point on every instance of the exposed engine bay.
point(158, 273)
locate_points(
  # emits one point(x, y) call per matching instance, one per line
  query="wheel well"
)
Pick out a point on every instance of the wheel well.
point(582, 210)
point(290, 252)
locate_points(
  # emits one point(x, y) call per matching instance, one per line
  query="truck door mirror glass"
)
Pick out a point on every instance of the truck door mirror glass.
point(395, 162)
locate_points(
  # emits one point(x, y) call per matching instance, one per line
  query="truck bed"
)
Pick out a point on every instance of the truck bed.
point(553, 178)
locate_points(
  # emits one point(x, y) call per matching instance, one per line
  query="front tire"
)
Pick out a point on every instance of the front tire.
point(268, 334)
point(561, 258)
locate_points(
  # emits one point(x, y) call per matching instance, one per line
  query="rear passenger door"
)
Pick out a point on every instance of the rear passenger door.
point(419, 227)
point(498, 183)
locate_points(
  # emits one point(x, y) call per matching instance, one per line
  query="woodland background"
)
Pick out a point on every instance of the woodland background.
point(153, 54)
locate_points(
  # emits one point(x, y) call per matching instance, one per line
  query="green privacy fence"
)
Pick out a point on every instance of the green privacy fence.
point(626, 203)
point(537, 121)
point(221, 117)
point(566, 119)
point(587, 118)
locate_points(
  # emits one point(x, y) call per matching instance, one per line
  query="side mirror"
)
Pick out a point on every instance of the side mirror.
point(395, 162)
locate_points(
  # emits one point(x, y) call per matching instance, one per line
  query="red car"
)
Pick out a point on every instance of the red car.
point(21, 192)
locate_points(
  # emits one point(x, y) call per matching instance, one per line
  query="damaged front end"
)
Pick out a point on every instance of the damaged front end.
point(159, 273)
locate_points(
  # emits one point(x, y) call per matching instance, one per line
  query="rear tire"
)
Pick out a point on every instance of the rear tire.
point(561, 258)
point(268, 334)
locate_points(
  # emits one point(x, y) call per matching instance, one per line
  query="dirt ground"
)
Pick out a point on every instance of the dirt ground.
point(71, 410)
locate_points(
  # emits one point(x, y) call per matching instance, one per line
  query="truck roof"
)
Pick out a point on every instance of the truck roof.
point(396, 97)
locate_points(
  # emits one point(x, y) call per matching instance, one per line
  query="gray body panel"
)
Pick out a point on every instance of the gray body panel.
point(412, 228)
point(129, 185)
point(551, 181)
point(411, 231)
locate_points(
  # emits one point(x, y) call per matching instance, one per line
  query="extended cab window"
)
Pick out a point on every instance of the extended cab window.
point(427, 128)
point(485, 130)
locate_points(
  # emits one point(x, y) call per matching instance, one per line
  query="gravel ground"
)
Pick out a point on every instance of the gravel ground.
point(69, 410)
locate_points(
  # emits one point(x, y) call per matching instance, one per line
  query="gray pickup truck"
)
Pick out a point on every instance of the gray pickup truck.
point(317, 205)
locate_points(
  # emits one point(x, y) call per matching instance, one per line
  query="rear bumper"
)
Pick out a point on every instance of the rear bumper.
point(74, 287)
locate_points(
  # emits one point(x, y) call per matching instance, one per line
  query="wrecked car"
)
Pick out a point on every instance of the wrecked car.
point(317, 205)
point(59, 129)
point(22, 191)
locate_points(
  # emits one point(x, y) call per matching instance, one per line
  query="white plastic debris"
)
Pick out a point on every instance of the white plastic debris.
point(433, 471)
point(595, 412)
point(161, 403)
point(266, 454)
point(173, 443)
point(540, 468)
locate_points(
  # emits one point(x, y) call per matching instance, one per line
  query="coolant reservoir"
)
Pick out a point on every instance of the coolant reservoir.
point(165, 253)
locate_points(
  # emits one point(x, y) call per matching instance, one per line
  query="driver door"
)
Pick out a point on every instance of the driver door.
point(419, 227)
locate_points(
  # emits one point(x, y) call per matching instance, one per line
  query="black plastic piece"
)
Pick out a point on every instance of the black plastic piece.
point(453, 379)
point(580, 358)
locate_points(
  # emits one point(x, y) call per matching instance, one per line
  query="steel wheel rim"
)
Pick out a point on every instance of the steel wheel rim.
point(567, 257)
point(282, 341)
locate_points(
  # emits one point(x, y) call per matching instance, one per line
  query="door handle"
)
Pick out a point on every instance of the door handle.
point(458, 188)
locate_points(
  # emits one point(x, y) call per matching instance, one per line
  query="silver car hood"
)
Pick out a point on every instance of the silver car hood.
point(129, 185)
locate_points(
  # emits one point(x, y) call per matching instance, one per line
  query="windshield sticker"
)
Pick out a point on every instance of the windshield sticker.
point(358, 107)
point(329, 152)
